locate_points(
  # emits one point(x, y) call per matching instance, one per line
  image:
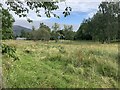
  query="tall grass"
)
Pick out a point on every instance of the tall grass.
point(68, 64)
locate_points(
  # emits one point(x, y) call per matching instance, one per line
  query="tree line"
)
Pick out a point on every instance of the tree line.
point(46, 33)
point(102, 27)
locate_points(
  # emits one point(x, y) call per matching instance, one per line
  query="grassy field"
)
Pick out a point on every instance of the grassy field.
point(67, 64)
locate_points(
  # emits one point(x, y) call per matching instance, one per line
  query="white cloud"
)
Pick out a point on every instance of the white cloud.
point(87, 6)
point(80, 5)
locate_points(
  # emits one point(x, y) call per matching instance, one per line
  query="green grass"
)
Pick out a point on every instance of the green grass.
point(66, 64)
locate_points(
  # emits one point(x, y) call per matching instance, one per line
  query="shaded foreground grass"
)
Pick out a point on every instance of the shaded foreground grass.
point(66, 64)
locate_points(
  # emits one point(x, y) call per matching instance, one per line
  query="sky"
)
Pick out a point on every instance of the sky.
point(81, 9)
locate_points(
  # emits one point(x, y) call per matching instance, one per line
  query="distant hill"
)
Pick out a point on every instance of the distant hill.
point(17, 29)
point(36, 24)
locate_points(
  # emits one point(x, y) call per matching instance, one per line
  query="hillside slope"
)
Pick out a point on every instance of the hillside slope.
point(17, 29)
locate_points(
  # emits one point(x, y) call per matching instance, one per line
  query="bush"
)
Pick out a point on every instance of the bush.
point(10, 51)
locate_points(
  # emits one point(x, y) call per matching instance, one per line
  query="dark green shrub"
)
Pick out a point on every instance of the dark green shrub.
point(10, 51)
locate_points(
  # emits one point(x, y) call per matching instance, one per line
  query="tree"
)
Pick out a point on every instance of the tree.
point(42, 25)
point(43, 33)
point(103, 26)
point(109, 10)
point(7, 22)
point(68, 32)
point(55, 32)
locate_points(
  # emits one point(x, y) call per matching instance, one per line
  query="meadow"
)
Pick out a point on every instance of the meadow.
point(65, 64)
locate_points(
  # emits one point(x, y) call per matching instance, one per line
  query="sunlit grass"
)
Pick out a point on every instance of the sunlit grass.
point(71, 64)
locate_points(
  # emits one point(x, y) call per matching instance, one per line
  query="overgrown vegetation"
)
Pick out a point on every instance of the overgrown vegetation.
point(55, 65)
